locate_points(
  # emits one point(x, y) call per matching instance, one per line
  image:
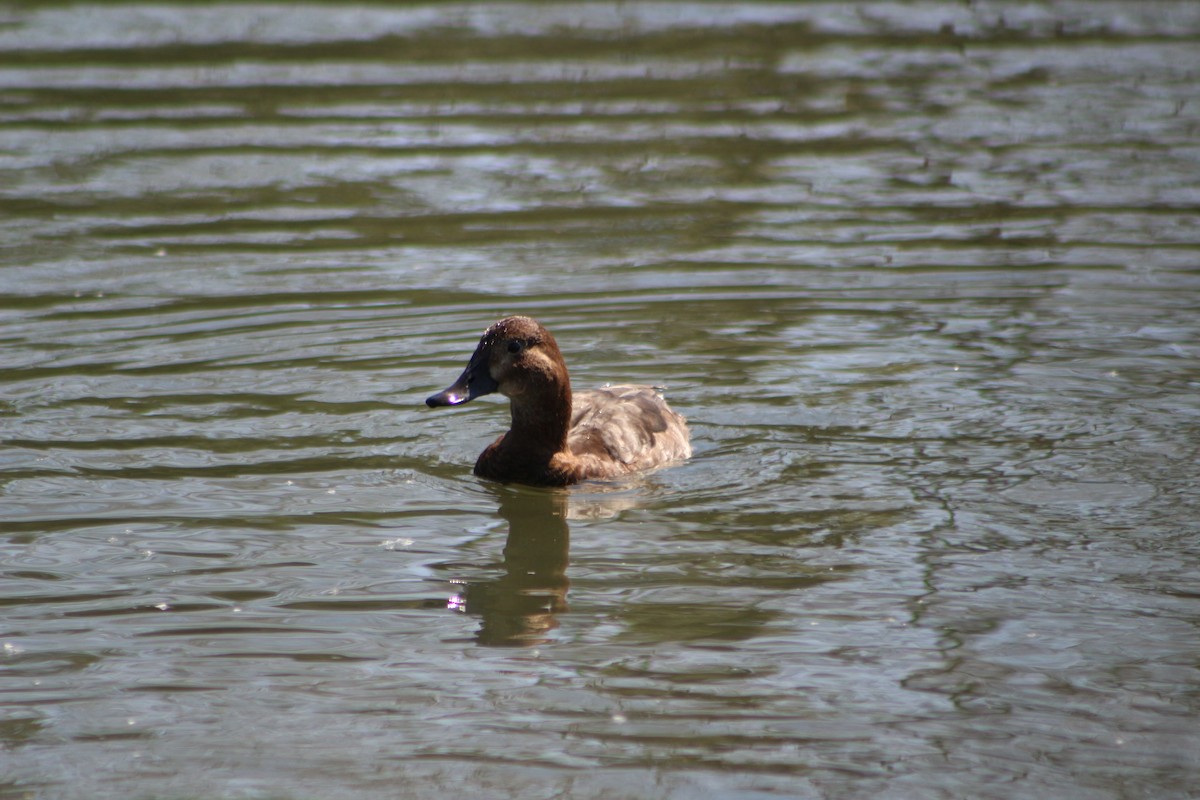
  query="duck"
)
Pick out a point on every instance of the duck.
point(558, 437)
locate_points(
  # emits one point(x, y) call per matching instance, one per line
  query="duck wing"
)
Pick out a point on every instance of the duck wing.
point(627, 425)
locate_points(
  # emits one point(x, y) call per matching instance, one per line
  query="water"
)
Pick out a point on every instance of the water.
point(925, 278)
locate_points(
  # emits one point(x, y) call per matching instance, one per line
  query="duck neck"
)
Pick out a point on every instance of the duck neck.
point(540, 420)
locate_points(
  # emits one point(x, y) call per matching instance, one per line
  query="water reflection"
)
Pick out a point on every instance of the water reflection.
point(519, 607)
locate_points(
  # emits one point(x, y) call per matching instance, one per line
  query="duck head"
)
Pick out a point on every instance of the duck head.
point(515, 357)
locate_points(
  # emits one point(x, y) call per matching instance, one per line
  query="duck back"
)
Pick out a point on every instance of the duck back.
point(619, 429)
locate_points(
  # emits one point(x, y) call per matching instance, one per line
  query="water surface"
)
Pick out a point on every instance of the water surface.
point(925, 278)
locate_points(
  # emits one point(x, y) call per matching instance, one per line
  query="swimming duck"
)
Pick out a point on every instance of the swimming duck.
point(558, 438)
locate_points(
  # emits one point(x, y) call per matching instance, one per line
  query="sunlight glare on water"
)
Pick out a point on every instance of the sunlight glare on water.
point(924, 278)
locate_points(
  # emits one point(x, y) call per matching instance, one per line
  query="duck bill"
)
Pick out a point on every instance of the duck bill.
point(475, 381)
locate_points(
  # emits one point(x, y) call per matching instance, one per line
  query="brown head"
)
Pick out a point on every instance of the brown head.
point(516, 357)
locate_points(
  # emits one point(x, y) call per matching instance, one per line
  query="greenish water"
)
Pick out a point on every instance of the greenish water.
point(925, 279)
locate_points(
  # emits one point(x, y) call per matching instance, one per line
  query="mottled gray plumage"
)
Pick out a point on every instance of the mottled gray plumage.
point(627, 423)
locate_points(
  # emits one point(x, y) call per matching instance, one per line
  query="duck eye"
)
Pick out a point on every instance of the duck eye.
point(515, 346)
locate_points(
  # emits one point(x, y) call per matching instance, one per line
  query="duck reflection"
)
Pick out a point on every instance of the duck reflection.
point(519, 608)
